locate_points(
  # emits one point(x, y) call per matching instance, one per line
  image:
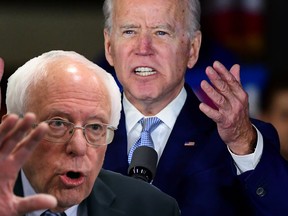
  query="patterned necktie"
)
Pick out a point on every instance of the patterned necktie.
point(148, 125)
point(49, 213)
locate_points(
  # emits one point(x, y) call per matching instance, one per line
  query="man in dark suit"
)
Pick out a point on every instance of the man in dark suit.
point(71, 107)
point(114, 194)
point(213, 158)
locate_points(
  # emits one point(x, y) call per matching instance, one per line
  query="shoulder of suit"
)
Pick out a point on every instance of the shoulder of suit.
point(117, 180)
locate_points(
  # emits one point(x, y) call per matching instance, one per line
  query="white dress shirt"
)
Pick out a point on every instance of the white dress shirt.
point(168, 117)
point(161, 134)
point(28, 191)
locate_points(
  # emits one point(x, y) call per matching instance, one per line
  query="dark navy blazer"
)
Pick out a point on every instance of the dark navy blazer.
point(203, 177)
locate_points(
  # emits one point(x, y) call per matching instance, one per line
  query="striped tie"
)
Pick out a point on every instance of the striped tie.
point(148, 125)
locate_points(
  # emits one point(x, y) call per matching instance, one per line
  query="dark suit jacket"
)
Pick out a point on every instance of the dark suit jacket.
point(116, 195)
point(203, 177)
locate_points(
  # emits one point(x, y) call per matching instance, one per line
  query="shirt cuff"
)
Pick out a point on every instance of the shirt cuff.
point(248, 162)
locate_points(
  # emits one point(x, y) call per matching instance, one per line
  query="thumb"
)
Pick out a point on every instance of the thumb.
point(36, 202)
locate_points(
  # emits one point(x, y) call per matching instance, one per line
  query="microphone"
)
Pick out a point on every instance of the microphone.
point(143, 163)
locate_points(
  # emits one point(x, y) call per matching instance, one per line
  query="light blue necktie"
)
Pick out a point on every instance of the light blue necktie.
point(148, 125)
point(49, 213)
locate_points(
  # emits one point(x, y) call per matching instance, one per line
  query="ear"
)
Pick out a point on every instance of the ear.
point(107, 45)
point(194, 49)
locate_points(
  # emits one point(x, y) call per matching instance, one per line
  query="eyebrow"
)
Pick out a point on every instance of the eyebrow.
point(162, 26)
point(129, 26)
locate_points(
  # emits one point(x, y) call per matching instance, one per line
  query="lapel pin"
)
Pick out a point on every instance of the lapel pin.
point(189, 143)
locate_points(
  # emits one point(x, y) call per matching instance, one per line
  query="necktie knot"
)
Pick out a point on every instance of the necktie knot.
point(150, 124)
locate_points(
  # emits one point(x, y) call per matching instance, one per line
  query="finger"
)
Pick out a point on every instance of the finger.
point(227, 84)
point(36, 202)
point(216, 93)
point(12, 138)
point(7, 125)
point(224, 73)
point(235, 70)
point(230, 78)
point(237, 96)
point(25, 148)
point(210, 112)
point(1, 68)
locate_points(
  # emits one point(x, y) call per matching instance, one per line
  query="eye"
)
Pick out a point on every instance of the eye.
point(128, 32)
point(57, 124)
point(95, 127)
point(161, 33)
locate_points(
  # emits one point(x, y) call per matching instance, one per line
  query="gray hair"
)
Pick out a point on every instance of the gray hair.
point(17, 94)
point(193, 15)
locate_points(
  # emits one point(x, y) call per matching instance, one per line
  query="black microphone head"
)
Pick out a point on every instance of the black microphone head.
point(143, 163)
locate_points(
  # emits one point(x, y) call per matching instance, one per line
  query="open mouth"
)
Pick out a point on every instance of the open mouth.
point(73, 175)
point(72, 179)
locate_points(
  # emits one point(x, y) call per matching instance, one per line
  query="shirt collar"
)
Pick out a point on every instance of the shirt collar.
point(168, 115)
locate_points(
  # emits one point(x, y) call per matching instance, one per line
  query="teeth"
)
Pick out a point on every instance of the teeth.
point(144, 71)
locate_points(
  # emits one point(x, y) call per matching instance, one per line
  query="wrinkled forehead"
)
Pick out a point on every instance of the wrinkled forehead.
point(152, 12)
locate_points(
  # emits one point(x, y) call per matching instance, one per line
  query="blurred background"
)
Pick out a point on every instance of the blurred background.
point(249, 32)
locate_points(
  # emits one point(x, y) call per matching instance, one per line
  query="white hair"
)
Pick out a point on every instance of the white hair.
point(17, 94)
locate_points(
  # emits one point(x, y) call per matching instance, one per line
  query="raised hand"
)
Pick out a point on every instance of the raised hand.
point(232, 108)
point(15, 148)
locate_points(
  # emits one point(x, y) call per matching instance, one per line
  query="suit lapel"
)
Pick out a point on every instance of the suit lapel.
point(100, 201)
point(116, 155)
point(189, 128)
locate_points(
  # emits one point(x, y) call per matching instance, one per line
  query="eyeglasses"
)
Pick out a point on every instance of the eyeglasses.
point(96, 134)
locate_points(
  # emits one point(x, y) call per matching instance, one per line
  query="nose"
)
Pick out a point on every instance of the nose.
point(144, 44)
point(77, 145)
